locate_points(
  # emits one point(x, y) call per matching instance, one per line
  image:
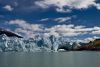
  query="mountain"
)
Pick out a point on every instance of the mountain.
point(9, 33)
point(92, 45)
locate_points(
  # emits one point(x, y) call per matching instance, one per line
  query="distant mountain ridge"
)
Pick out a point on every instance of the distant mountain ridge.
point(92, 45)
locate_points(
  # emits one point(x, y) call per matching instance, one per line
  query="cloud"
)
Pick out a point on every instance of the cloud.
point(62, 19)
point(63, 10)
point(72, 30)
point(8, 7)
point(88, 39)
point(66, 30)
point(58, 5)
point(24, 25)
point(96, 30)
point(45, 19)
point(59, 19)
point(67, 5)
point(25, 33)
point(69, 30)
point(97, 5)
point(29, 30)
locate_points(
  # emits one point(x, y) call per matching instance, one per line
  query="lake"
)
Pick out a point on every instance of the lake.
point(50, 59)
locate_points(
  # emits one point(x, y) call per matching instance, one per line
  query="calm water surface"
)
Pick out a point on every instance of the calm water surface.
point(50, 59)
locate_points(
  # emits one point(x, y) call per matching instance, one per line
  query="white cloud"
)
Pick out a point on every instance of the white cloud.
point(79, 27)
point(52, 33)
point(97, 5)
point(25, 28)
point(26, 33)
point(59, 19)
point(72, 30)
point(66, 30)
point(69, 30)
point(62, 19)
point(96, 32)
point(8, 7)
point(95, 37)
point(45, 19)
point(24, 25)
point(69, 4)
point(63, 10)
point(88, 39)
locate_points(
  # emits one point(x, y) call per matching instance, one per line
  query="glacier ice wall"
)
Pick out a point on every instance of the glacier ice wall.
point(36, 44)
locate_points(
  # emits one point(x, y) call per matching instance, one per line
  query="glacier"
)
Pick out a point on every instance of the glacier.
point(36, 44)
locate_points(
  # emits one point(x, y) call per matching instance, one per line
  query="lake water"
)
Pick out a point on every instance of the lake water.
point(51, 59)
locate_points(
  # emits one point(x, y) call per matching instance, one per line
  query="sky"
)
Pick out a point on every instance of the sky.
point(73, 19)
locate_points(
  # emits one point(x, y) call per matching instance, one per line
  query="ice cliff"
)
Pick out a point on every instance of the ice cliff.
point(37, 43)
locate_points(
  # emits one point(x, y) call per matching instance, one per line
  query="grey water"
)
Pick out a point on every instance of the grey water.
point(50, 59)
